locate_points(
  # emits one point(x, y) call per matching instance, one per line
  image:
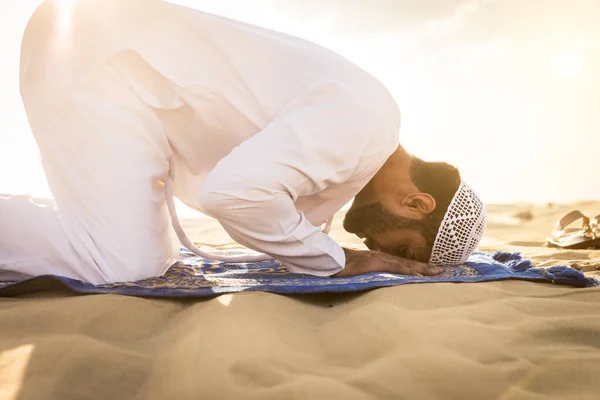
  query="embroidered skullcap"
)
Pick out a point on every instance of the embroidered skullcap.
point(461, 229)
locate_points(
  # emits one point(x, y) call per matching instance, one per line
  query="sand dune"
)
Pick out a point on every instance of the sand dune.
point(499, 340)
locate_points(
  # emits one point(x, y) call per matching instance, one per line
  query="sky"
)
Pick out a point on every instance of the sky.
point(506, 90)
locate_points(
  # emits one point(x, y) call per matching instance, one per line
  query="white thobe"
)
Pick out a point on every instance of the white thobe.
point(267, 133)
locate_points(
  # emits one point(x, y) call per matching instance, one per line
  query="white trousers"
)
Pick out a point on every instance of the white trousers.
point(105, 155)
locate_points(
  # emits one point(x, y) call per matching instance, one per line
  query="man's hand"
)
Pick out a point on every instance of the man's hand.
point(360, 262)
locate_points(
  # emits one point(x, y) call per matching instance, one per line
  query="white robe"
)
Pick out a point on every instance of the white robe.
point(268, 133)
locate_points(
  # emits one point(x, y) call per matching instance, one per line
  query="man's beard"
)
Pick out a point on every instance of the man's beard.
point(374, 219)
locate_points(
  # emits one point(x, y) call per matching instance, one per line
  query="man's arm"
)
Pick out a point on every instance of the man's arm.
point(316, 142)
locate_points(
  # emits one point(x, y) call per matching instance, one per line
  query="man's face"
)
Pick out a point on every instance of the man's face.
point(389, 233)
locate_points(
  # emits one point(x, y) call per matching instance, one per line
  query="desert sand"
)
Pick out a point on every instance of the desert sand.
point(500, 340)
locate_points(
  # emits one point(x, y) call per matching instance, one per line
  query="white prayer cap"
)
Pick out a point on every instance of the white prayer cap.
point(461, 229)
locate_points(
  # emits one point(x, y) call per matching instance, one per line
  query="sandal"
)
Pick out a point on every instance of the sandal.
point(588, 236)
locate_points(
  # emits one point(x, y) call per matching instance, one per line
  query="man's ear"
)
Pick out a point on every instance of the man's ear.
point(418, 205)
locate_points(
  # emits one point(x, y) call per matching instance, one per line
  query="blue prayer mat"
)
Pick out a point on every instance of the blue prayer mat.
point(196, 277)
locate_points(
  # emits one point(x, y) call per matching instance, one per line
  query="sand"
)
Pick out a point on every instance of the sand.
point(499, 340)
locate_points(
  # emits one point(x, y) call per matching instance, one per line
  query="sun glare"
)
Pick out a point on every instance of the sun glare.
point(66, 9)
point(65, 3)
point(568, 64)
point(225, 299)
point(13, 366)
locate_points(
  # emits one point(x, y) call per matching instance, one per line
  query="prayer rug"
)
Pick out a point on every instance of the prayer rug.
point(196, 277)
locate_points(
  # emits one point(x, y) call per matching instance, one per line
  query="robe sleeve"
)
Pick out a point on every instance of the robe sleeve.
point(317, 141)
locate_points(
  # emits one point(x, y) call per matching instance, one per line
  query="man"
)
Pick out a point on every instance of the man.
point(134, 101)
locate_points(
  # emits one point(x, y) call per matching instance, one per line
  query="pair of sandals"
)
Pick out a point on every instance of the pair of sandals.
point(586, 237)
